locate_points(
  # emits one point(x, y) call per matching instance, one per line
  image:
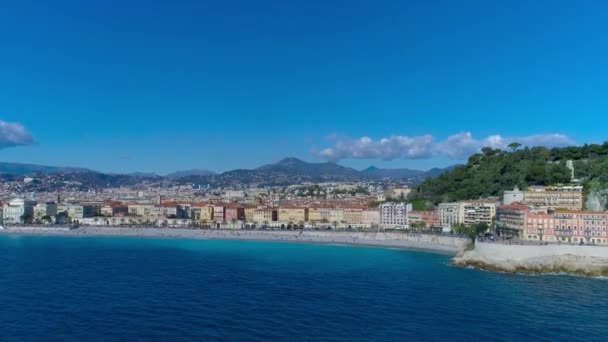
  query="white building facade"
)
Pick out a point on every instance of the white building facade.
point(17, 210)
point(394, 214)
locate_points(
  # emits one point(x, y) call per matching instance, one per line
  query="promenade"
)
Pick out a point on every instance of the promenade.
point(430, 242)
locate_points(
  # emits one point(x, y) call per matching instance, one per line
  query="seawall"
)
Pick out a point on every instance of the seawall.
point(583, 260)
point(438, 243)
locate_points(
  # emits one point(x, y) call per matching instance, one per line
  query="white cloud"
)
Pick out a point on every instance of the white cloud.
point(386, 148)
point(458, 146)
point(14, 134)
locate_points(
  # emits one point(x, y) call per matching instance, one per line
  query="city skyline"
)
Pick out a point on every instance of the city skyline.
point(227, 86)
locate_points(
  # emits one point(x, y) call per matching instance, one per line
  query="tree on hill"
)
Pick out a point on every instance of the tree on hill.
point(514, 146)
point(491, 172)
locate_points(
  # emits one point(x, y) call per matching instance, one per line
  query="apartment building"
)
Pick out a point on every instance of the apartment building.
point(293, 214)
point(352, 215)
point(370, 218)
point(141, 210)
point(76, 211)
point(450, 214)
point(264, 215)
point(540, 226)
point(478, 212)
point(42, 210)
point(540, 197)
point(394, 214)
point(235, 213)
point(579, 226)
point(336, 215)
point(565, 197)
point(201, 212)
point(219, 213)
point(511, 219)
point(428, 217)
point(320, 214)
point(115, 209)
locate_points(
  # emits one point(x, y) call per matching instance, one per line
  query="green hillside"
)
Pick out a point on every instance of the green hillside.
point(493, 171)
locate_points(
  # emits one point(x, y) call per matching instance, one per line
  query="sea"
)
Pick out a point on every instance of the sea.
point(149, 289)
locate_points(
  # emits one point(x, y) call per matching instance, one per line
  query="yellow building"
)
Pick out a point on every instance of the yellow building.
point(353, 216)
point(250, 213)
point(563, 197)
point(293, 214)
point(336, 215)
point(263, 216)
point(321, 214)
point(206, 213)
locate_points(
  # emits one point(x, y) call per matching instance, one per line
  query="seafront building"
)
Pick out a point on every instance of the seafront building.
point(370, 218)
point(44, 211)
point(17, 211)
point(478, 212)
point(76, 211)
point(429, 217)
point(394, 214)
point(114, 209)
point(569, 226)
point(511, 219)
point(585, 226)
point(297, 215)
point(450, 214)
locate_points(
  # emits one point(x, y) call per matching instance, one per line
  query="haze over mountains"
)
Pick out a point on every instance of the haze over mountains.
point(286, 171)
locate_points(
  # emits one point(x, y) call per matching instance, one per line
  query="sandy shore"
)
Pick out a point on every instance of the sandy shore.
point(434, 243)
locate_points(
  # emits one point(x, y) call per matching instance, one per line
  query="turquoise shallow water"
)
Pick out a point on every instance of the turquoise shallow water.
point(110, 289)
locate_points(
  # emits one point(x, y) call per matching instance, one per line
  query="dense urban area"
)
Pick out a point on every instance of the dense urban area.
point(527, 194)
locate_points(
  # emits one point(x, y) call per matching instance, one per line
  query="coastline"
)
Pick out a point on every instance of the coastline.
point(432, 243)
point(589, 261)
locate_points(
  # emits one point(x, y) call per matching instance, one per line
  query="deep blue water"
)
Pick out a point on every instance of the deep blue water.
point(81, 289)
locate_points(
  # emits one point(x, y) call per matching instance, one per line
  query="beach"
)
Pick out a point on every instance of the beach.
point(451, 245)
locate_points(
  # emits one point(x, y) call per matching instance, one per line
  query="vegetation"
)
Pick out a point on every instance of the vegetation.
point(473, 231)
point(493, 171)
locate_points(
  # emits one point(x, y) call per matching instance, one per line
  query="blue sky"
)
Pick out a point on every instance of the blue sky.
point(140, 86)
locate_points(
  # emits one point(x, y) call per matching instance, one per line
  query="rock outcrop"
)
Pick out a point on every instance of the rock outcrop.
point(526, 260)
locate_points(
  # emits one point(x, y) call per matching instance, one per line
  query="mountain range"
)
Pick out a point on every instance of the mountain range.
point(24, 169)
point(285, 172)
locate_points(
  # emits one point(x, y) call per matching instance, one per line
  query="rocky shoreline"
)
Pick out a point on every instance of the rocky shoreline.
point(576, 260)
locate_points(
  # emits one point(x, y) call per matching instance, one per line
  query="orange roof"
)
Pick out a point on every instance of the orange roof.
point(515, 205)
point(580, 212)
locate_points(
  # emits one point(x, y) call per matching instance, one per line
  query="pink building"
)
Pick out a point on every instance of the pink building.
point(234, 213)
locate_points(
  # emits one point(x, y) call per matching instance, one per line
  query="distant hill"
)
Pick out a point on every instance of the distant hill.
point(375, 172)
point(285, 172)
point(292, 171)
point(24, 169)
point(192, 172)
point(301, 168)
point(143, 174)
